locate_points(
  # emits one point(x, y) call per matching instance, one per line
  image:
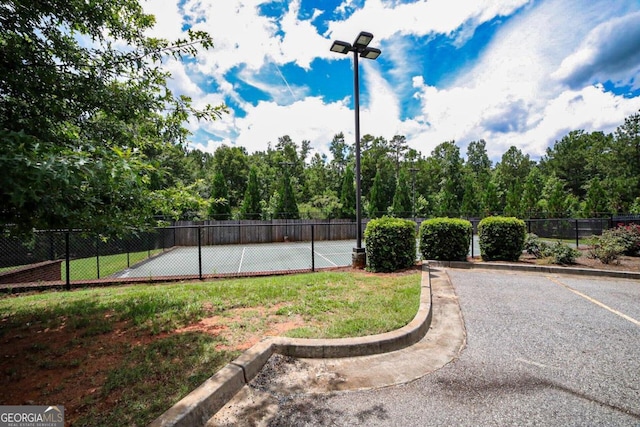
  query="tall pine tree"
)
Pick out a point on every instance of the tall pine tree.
point(402, 206)
point(348, 195)
point(219, 208)
point(250, 208)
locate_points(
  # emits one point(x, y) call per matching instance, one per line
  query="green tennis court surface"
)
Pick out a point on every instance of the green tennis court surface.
point(253, 258)
point(184, 261)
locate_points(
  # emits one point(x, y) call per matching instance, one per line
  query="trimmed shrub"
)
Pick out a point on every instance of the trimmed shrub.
point(501, 238)
point(445, 239)
point(557, 253)
point(390, 244)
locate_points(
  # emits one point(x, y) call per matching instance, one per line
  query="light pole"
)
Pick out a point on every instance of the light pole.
point(359, 47)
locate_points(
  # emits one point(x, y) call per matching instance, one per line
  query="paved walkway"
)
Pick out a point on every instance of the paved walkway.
point(541, 349)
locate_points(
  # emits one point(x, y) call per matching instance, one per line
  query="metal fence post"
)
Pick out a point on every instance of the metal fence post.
point(98, 255)
point(313, 252)
point(472, 254)
point(200, 252)
point(67, 260)
point(577, 235)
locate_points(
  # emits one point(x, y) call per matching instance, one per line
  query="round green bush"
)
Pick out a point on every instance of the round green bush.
point(445, 239)
point(501, 238)
point(390, 244)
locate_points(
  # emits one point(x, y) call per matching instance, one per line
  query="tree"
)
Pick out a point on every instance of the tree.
point(555, 197)
point(532, 193)
point(402, 206)
point(341, 154)
point(348, 195)
point(251, 208)
point(78, 118)
point(510, 173)
point(233, 163)
point(399, 147)
point(476, 176)
point(449, 198)
point(220, 208)
point(316, 175)
point(286, 206)
point(378, 202)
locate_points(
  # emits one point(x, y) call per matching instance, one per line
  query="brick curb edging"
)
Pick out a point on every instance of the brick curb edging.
point(537, 269)
point(200, 405)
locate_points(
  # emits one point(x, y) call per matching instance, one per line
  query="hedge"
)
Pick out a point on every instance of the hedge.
point(390, 244)
point(445, 239)
point(501, 238)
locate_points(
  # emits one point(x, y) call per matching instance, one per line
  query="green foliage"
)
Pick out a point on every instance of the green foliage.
point(251, 203)
point(449, 198)
point(534, 246)
point(622, 240)
point(219, 207)
point(532, 193)
point(179, 202)
point(445, 239)
point(286, 206)
point(562, 253)
point(82, 121)
point(501, 238)
point(557, 253)
point(390, 244)
point(348, 195)
point(325, 205)
point(607, 248)
point(377, 198)
point(629, 236)
point(402, 198)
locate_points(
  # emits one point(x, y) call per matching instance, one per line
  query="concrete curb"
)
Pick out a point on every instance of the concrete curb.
point(537, 269)
point(202, 403)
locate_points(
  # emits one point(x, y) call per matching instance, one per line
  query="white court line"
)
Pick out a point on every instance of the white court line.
point(595, 301)
point(241, 260)
point(326, 259)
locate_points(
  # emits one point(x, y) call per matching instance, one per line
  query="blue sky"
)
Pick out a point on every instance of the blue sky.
point(511, 72)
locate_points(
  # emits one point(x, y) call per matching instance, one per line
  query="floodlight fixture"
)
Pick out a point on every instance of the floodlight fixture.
point(370, 53)
point(363, 40)
point(359, 47)
point(340, 47)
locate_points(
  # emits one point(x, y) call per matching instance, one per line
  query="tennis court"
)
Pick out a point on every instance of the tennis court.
point(250, 258)
point(238, 259)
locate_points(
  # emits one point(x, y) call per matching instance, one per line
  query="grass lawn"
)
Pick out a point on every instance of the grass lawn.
point(87, 268)
point(123, 355)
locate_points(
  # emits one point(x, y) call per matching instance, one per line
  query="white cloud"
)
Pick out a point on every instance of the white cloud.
point(509, 98)
point(611, 51)
point(531, 84)
point(168, 18)
point(310, 119)
point(301, 43)
point(420, 18)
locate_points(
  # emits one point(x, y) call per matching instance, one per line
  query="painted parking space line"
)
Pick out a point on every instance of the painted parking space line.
point(595, 301)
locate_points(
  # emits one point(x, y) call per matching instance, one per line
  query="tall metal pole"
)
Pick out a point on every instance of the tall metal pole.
point(356, 86)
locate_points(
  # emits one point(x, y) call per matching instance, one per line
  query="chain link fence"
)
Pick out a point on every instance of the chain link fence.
point(197, 250)
point(185, 250)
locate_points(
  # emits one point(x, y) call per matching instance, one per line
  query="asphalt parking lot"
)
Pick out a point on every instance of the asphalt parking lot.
point(541, 350)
